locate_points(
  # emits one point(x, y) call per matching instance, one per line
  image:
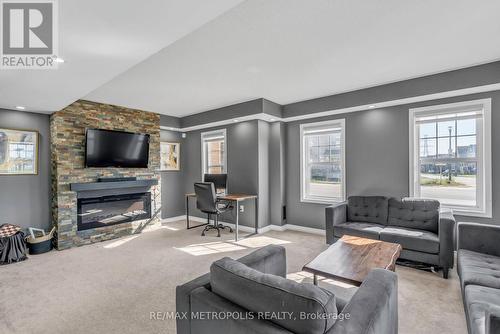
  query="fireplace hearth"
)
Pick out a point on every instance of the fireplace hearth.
point(111, 210)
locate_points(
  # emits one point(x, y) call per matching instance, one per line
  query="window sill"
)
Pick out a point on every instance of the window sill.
point(468, 213)
point(322, 202)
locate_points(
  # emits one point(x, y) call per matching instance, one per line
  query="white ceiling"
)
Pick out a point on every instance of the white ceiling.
point(101, 39)
point(281, 50)
point(291, 50)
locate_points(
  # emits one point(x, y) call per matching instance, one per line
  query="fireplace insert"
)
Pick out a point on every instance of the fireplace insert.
point(112, 210)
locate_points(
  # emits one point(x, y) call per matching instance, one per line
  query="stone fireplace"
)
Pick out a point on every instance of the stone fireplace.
point(96, 204)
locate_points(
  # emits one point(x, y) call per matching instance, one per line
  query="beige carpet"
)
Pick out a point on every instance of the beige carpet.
point(112, 287)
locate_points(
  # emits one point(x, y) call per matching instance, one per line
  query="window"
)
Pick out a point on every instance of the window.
point(322, 161)
point(450, 155)
point(213, 152)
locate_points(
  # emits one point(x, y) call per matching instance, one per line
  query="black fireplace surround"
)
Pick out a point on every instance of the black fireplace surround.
point(111, 210)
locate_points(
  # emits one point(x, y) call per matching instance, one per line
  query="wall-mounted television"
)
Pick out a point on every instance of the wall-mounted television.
point(106, 148)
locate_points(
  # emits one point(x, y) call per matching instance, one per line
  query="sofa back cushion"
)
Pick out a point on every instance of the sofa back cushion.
point(368, 209)
point(420, 214)
point(258, 292)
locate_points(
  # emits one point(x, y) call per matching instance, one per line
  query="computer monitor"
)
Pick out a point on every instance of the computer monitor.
point(219, 181)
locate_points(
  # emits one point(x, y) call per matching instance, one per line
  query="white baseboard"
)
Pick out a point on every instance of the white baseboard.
point(250, 229)
point(304, 229)
point(173, 219)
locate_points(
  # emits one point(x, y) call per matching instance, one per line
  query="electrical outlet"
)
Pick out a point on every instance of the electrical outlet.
point(242, 208)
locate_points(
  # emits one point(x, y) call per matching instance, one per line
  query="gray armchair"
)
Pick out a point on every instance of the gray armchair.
point(426, 234)
point(478, 265)
point(372, 309)
point(271, 260)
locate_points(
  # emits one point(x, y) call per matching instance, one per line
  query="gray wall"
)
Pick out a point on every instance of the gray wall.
point(277, 194)
point(264, 138)
point(377, 158)
point(271, 108)
point(221, 114)
point(25, 199)
point(172, 182)
point(170, 121)
point(255, 158)
point(242, 161)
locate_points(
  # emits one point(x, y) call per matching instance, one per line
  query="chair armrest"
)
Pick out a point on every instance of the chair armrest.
point(334, 215)
point(492, 318)
point(183, 303)
point(373, 308)
point(268, 260)
point(481, 238)
point(446, 239)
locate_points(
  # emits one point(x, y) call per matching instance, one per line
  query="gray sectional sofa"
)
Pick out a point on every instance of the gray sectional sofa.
point(425, 233)
point(252, 295)
point(478, 265)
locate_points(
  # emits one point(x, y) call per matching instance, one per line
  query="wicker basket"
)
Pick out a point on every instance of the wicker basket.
point(40, 245)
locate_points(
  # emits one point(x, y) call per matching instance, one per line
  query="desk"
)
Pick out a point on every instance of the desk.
point(234, 198)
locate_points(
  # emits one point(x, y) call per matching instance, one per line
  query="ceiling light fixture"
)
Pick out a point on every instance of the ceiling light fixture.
point(372, 106)
point(20, 107)
point(272, 120)
point(235, 120)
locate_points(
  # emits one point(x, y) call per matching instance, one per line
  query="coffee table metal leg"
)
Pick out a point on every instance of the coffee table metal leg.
point(315, 279)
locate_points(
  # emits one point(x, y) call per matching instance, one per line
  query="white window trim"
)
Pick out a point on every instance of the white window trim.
point(209, 134)
point(414, 170)
point(303, 198)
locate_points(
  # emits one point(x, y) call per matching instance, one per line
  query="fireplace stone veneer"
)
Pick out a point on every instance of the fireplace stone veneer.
point(70, 178)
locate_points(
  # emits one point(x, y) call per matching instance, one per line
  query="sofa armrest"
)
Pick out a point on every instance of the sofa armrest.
point(373, 308)
point(183, 303)
point(270, 259)
point(446, 239)
point(481, 238)
point(492, 318)
point(334, 215)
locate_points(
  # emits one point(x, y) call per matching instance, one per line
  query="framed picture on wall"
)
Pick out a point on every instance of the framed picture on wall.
point(170, 156)
point(18, 152)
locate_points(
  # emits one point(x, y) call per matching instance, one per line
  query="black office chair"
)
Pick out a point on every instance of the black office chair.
point(207, 202)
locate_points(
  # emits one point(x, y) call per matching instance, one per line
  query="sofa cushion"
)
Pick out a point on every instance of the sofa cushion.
point(478, 269)
point(368, 209)
point(478, 301)
point(258, 292)
point(411, 239)
point(358, 229)
point(420, 214)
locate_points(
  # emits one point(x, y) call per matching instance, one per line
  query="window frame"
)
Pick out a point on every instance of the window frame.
point(305, 198)
point(483, 141)
point(208, 135)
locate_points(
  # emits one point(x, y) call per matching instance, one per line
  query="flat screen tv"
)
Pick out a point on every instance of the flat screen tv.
point(105, 148)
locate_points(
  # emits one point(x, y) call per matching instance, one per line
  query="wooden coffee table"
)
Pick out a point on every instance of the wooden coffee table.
point(350, 259)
